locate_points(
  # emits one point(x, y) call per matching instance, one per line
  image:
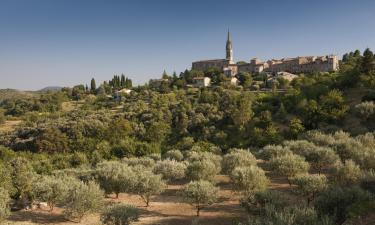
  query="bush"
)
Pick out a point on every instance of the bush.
point(51, 189)
point(202, 170)
point(155, 156)
point(310, 186)
point(289, 165)
point(249, 180)
point(368, 181)
point(170, 169)
point(143, 161)
point(4, 204)
point(258, 201)
point(22, 178)
point(338, 201)
point(120, 214)
point(147, 184)
point(365, 109)
point(200, 194)
point(237, 158)
point(271, 151)
point(115, 177)
point(82, 200)
point(347, 173)
point(174, 155)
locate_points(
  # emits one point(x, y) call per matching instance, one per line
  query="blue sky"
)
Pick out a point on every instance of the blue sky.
point(66, 42)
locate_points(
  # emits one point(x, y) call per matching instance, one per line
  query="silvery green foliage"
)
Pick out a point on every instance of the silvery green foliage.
point(270, 151)
point(237, 158)
point(319, 157)
point(203, 169)
point(360, 149)
point(310, 185)
point(147, 184)
point(4, 204)
point(200, 194)
point(170, 169)
point(289, 165)
point(52, 189)
point(347, 173)
point(119, 214)
point(295, 215)
point(249, 179)
point(115, 177)
point(82, 200)
point(198, 156)
point(144, 161)
point(365, 109)
point(155, 156)
point(174, 155)
point(257, 201)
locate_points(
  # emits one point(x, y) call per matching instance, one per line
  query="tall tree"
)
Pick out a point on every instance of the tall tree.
point(93, 85)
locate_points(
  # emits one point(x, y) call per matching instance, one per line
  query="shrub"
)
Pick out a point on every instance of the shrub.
point(155, 156)
point(200, 194)
point(202, 170)
point(120, 214)
point(82, 200)
point(201, 156)
point(22, 178)
point(337, 202)
point(289, 165)
point(237, 158)
point(249, 179)
point(365, 109)
point(368, 181)
point(258, 201)
point(115, 177)
point(4, 204)
point(170, 169)
point(310, 186)
point(174, 155)
point(147, 184)
point(144, 161)
point(271, 151)
point(347, 173)
point(51, 189)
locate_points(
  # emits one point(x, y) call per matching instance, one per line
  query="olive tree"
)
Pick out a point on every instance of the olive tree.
point(115, 177)
point(147, 184)
point(4, 204)
point(170, 169)
point(237, 158)
point(200, 194)
point(174, 155)
point(271, 151)
point(119, 214)
point(249, 180)
point(202, 170)
point(82, 200)
point(310, 185)
point(51, 189)
point(365, 109)
point(347, 173)
point(289, 165)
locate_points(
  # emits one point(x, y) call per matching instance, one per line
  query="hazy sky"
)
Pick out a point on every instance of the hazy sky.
point(66, 42)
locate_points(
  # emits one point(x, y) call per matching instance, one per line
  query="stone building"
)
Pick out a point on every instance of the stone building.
point(306, 64)
point(201, 82)
point(226, 65)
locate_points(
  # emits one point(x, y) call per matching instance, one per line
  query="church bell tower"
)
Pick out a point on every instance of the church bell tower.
point(229, 49)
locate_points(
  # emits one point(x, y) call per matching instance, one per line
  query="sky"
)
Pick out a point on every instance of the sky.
point(67, 42)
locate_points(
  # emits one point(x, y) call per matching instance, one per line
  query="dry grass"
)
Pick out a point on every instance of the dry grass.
point(9, 125)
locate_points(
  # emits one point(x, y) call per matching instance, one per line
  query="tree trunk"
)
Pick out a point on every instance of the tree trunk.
point(198, 210)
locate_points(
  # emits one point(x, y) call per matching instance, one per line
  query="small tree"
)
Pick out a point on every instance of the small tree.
point(115, 177)
point(51, 190)
point(120, 214)
point(237, 158)
point(82, 200)
point(310, 185)
point(147, 184)
point(271, 151)
point(170, 169)
point(347, 173)
point(249, 180)
point(200, 194)
point(202, 170)
point(365, 109)
point(93, 86)
point(174, 154)
point(4, 204)
point(289, 165)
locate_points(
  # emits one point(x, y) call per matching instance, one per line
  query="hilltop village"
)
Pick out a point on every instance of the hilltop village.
point(270, 71)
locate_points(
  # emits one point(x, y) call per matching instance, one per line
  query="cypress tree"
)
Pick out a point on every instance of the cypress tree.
point(93, 85)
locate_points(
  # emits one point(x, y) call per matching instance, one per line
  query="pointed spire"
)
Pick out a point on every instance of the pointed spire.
point(228, 38)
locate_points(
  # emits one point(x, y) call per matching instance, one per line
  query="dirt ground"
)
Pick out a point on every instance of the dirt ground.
point(167, 209)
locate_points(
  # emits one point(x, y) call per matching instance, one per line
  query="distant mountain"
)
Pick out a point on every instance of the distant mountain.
point(50, 88)
point(15, 94)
